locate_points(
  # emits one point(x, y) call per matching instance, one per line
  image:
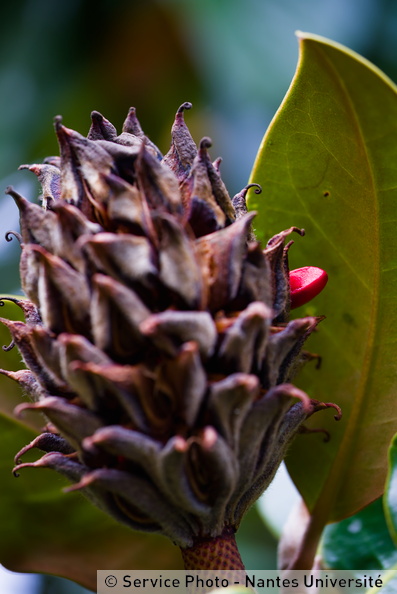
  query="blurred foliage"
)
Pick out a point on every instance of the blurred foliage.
point(368, 539)
point(233, 59)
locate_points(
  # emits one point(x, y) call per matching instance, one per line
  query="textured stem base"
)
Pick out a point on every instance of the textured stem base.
point(220, 552)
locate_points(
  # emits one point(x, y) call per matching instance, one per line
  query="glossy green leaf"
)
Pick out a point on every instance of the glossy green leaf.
point(360, 542)
point(46, 530)
point(328, 164)
point(367, 540)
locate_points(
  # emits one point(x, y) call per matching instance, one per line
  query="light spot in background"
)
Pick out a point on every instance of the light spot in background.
point(18, 583)
point(9, 214)
point(278, 500)
point(355, 526)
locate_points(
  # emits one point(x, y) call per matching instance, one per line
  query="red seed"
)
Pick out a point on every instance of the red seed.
point(305, 284)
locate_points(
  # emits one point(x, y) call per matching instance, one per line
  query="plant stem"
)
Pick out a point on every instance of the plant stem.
point(306, 553)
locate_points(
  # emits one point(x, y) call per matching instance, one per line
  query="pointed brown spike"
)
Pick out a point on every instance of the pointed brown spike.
point(157, 183)
point(184, 381)
point(140, 500)
point(22, 335)
point(127, 207)
point(49, 177)
point(170, 329)
point(28, 382)
point(132, 126)
point(75, 471)
point(101, 128)
point(74, 422)
point(92, 390)
point(229, 401)
point(277, 256)
point(217, 164)
point(72, 186)
point(222, 254)
point(255, 280)
point(126, 384)
point(30, 310)
point(179, 266)
point(244, 343)
point(183, 149)
point(133, 445)
point(47, 442)
point(218, 187)
point(48, 352)
point(74, 347)
point(240, 205)
point(217, 478)
point(204, 213)
point(173, 480)
point(29, 265)
point(128, 258)
point(283, 350)
point(71, 225)
point(266, 453)
point(116, 313)
point(36, 224)
point(52, 460)
point(93, 162)
point(63, 294)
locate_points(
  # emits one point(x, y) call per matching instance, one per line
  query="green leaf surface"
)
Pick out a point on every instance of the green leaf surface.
point(46, 530)
point(360, 542)
point(367, 540)
point(328, 164)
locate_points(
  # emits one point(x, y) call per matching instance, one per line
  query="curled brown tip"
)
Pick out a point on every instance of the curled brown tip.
point(8, 347)
point(300, 232)
point(327, 435)
point(10, 234)
point(205, 143)
point(186, 105)
point(338, 409)
point(2, 299)
point(258, 188)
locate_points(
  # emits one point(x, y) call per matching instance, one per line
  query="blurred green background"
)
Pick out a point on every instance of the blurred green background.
point(233, 59)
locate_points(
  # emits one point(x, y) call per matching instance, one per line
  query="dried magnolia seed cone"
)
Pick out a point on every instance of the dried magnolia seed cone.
point(157, 339)
point(218, 553)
